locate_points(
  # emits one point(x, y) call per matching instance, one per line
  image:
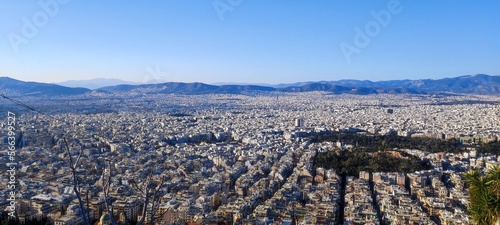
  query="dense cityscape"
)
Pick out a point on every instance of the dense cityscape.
point(239, 159)
point(238, 112)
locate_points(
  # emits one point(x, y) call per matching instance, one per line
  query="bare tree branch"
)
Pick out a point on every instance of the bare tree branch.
point(156, 200)
point(147, 192)
point(136, 187)
point(106, 189)
point(88, 203)
point(76, 182)
point(146, 197)
point(73, 165)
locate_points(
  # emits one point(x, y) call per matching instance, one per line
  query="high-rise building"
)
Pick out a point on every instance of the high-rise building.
point(299, 122)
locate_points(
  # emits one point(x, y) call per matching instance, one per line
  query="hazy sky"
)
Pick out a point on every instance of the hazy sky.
point(253, 41)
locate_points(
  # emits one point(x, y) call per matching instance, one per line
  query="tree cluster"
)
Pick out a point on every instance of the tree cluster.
point(373, 143)
point(352, 162)
point(490, 147)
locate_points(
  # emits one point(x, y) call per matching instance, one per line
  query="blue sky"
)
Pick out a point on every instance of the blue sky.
point(253, 41)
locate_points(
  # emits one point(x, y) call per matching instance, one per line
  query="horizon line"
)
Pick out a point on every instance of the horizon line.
point(221, 83)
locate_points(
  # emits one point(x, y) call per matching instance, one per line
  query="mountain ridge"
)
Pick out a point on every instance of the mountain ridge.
point(29, 88)
point(466, 84)
point(94, 83)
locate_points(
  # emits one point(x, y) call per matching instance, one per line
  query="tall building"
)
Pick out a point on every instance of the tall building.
point(299, 122)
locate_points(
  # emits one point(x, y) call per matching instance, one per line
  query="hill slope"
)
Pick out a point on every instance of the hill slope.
point(16, 87)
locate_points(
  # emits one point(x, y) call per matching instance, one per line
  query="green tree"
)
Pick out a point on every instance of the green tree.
point(484, 192)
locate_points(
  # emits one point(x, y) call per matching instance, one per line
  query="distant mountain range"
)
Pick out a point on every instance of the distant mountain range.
point(469, 84)
point(9, 86)
point(94, 83)
point(184, 88)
